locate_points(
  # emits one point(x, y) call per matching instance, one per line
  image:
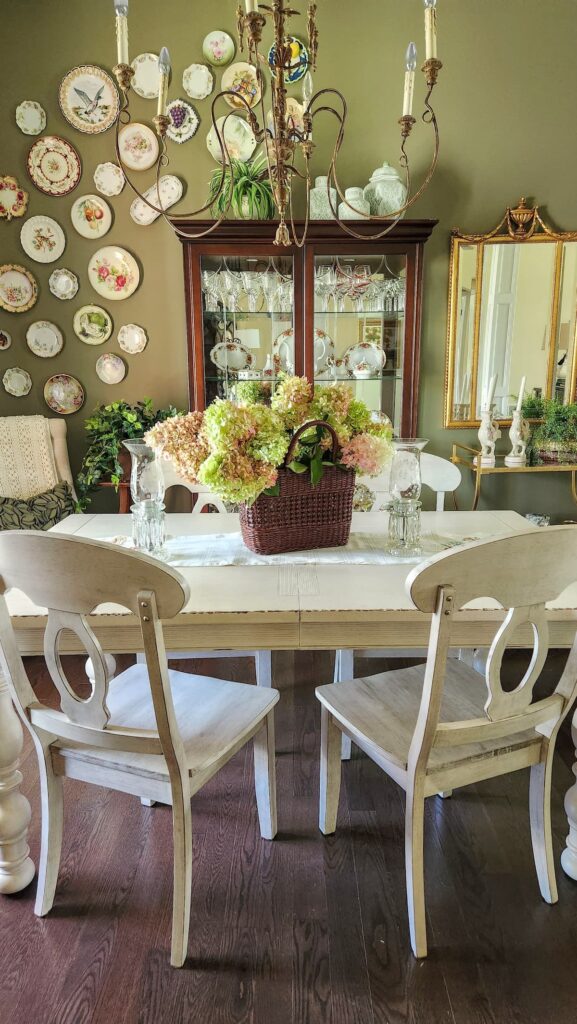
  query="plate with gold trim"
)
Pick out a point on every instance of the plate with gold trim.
point(89, 99)
point(18, 288)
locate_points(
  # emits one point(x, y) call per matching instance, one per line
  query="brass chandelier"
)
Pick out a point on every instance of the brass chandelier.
point(288, 146)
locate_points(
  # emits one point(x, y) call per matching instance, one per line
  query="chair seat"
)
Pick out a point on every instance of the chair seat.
point(381, 711)
point(215, 717)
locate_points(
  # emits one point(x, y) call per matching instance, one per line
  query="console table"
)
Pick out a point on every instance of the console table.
point(500, 467)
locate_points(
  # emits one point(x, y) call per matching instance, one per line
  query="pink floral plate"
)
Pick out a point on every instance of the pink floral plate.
point(54, 165)
point(113, 272)
point(365, 359)
point(138, 146)
point(231, 357)
point(18, 289)
point(63, 394)
point(13, 199)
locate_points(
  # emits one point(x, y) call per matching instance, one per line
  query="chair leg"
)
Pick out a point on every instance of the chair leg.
point(414, 828)
point(51, 842)
point(541, 839)
point(265, 777)
point(182, 839)
point(330, 773)
point(263, 668)
point(344, 670)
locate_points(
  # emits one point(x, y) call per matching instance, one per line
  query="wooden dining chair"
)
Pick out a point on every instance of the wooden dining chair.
point(441, 725)
point(150, 732)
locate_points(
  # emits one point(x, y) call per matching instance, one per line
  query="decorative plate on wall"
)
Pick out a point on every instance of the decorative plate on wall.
point(110, 368)
point(294, 115)
point(299, 59)
point(113, 272)
point(17, 382)
point(42, 239)
point(132, 339)
point(13, 199)
point(5, 341)
point(91, 216)
point(184, 121)
point(170, 192)
point(218, 48)
point(44, 339)
point(138, 146)
point(238, 135)
point(241, 78)
point(63, 283)
point(109, 179)
point(89, 99)
point(54, 165)
point(30, 117)
point(92, 324)
point(145, 79)
point(63, 394)
point(198, 81)
point(18, 288)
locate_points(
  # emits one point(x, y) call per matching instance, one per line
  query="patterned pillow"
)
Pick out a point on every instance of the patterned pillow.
point(37, 513)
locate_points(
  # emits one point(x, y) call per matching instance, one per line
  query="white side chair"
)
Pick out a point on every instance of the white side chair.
point(149, 731)
point(442, 724)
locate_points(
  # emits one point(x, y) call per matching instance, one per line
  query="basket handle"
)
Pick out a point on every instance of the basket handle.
point(307, 426)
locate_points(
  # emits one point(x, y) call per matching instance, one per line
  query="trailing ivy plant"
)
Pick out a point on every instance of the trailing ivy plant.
point(106, 429)
point(247, 190)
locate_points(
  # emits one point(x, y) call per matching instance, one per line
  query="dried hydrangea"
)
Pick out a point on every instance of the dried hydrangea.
point(291, 400)
point(181, 439)
point(366, 454)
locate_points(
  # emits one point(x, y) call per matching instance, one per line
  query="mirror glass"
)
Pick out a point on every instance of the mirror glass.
point(465, 328)
point(565, 340)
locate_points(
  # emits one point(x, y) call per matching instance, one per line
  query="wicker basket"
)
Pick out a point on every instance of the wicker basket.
point(301, 516)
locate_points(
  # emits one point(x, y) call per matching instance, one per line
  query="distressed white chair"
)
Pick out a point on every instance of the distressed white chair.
point(442, 724)
point(35, 475)
point(149, 731)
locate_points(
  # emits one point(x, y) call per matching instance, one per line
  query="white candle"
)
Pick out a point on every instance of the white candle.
point(410, 65)
point(251, 5)
point(164, 75)
point(521, 393)
point(121, 11)
point(492, 386)
point(430, 29)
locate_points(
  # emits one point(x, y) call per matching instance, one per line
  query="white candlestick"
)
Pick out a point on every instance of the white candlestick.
point(410, 65)
point(521, 393)
point(251, 5)
point(430, 29)
point(491, 395)
point(121, 11)
point(164, 75)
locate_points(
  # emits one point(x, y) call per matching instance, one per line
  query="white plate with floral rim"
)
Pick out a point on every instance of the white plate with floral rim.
point(113, 272)
point(30, 117)
point(145, 79)
point(365, 359)
point(241, 79)
point(5, 341)
point(231, 356)
point(171, 189)
point(18, 288)
point(218, 48)
point(197, 81)
point(88, 99)
point(63, 394)
point(238, 135)
point(132, 339)
point(54, 165)
point(138, 146)
point(283, 348)
point(92, 325)
point(13, 198)
point(63, 283)
point(110, 368)
point(42, 239)
point(324, 350)
point(184, 121)
point(91, 216)
point(44, 339)
point(17, 382)
point(109, 179)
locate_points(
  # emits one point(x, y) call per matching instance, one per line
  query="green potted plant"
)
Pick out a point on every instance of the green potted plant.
point(247, 190)
point(555, 437)
point(106, 429)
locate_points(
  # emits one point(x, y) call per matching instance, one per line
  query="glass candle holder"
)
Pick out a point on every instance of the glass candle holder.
point(405, 481)
point(404, 528)
point(149, 527)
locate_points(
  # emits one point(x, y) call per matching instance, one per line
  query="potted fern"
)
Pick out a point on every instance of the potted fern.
point(247, 190)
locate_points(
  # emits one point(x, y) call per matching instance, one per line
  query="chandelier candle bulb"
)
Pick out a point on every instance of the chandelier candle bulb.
point(163, 76)
point(121, 12)
point(521, 393)
point(307, 89)
point(410, 65)
point(251, 5)
point(430, 29)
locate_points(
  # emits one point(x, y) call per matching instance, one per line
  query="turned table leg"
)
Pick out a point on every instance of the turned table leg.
point(569, 855)
point(16, 867)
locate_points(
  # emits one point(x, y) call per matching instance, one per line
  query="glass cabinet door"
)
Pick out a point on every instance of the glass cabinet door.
point(359, 327)
point(247, 320)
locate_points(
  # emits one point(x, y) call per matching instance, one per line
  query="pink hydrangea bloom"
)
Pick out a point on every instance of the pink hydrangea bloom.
point(366, 454)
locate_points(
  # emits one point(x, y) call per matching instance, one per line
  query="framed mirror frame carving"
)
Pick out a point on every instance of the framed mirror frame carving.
point(467, 313)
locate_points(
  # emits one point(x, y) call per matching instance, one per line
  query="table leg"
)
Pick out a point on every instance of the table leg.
point(16, 868)
point(569, 855)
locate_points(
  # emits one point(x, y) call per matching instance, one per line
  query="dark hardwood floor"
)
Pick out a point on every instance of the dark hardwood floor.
point(304, 929)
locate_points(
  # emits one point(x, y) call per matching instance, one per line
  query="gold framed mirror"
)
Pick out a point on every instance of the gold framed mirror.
point(513, 313)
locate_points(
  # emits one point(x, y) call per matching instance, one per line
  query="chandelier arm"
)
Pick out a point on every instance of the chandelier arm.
point(300, 242)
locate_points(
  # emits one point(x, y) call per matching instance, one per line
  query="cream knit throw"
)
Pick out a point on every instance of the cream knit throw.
point(27, 465)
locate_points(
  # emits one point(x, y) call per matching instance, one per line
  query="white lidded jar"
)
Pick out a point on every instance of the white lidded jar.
point(385, 192)
point(319, 205)
point(356, 205)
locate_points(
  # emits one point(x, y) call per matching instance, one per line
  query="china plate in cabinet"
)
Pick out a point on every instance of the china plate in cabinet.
point(231, 356)
point(366, 358)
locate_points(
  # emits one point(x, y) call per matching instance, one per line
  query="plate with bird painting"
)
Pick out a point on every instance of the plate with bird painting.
point(89, 99)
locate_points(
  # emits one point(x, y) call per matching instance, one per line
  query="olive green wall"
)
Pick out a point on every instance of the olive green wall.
point(506, 108)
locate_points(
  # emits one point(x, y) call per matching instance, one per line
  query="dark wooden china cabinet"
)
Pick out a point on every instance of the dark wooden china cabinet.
point(339, 308)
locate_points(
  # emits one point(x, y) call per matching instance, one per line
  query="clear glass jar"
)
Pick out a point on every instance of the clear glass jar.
point(404, 528)
point(149, 527)
point(146, 476)
point(405, 483)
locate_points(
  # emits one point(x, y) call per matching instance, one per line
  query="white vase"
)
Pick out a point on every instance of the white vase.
point(359, 206)
point(319, 205)
point(385, 192)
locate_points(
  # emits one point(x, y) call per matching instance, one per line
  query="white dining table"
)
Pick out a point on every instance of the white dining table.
point(288, 606)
